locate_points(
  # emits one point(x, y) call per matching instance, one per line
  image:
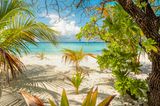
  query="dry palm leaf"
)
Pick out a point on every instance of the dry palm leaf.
point(31, 100)
point(10, 65)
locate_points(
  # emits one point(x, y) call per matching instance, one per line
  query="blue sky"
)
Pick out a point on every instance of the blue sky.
point(67, 26)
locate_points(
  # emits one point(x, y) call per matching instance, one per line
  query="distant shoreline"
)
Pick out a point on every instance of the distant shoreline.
point(73, 42)
point(48, 47)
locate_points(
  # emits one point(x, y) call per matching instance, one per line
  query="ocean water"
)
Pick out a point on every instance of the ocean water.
point(48, 48)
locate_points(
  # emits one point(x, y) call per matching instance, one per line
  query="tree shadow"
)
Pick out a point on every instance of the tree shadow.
point(81, 91)
point(87, 70)
point(75, 103)
point(35, 80)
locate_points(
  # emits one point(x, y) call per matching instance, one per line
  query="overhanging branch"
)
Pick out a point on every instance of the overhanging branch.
point(147, 21)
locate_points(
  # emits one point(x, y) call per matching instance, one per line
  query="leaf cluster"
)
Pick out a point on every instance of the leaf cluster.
point(122, 53)
point(135, 88)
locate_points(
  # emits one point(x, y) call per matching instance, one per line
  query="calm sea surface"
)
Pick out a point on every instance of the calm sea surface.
point(48, 48)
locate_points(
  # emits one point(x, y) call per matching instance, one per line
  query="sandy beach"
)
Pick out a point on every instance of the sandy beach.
point(46, 78)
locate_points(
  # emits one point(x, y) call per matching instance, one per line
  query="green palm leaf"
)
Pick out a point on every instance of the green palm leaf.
point(18, 28)
point(106, 101)
point(51, 102)
point(75, 56)
point(64, 99)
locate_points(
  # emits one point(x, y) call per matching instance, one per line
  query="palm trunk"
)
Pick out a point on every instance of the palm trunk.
point(154, 81)
point(77, 66)
point(77, 90)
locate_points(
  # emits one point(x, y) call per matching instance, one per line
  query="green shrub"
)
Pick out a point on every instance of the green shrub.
point(122, 36)
point(135, 88)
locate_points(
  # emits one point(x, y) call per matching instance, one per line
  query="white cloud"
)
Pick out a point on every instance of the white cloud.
point(64, 26)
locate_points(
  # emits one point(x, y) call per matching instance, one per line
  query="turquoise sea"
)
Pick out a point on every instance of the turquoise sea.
point(48, 48)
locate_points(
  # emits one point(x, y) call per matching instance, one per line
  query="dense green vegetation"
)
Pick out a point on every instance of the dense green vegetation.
point(145, 13)
point(123, 50)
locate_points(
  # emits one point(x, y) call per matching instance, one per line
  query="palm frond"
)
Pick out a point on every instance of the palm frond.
point(75, 57)
point(18, 28)
point(21, 31)
point(31, 100)
point(11, 8)
point(10, 65)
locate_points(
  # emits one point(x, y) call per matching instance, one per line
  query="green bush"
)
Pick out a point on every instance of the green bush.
point(135, 88)
point(122, 53)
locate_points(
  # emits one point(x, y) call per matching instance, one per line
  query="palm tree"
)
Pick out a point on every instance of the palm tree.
point(75, 57)
point(18, 28)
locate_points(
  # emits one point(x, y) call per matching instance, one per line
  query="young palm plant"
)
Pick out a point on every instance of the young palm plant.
point(18, 28)
point(75, 57)
point(41, 56)
point(90, 99)
point(76, 80)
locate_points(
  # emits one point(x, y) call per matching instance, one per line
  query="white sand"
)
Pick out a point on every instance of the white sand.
point(49, 74)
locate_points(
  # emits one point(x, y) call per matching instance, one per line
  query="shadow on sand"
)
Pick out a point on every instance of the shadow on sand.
point(42, 81)
point(38, 80)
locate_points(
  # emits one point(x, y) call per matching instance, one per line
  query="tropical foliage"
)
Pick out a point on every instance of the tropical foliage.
point(76, 80)
point(123, 37)
point(75, 57)
point(18, 28)
point(146, 13)
point(90, 99)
